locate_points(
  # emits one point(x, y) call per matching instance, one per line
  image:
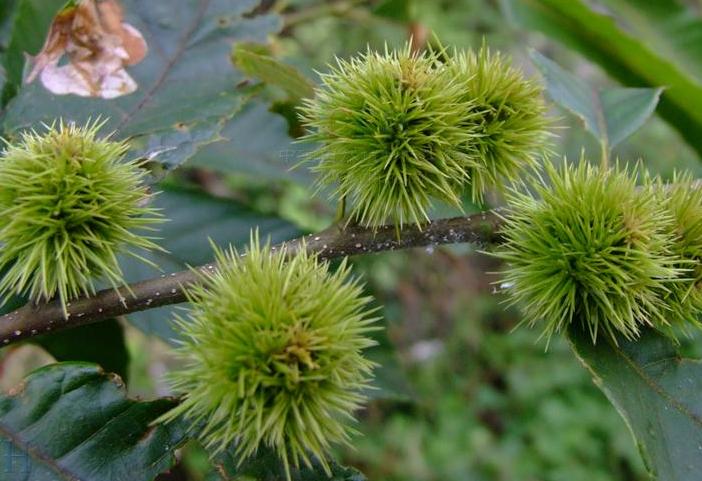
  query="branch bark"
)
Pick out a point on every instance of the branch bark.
point(35, 319)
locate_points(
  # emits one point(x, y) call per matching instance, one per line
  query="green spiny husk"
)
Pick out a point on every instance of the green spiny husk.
point(390, 127)
point(398, 130)
point(69, 203)
point(683, 200)
point(273, 354)
point(510, 119)
point(591, 248)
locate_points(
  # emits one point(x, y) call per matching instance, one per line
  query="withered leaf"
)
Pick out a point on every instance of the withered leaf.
point(96, 45)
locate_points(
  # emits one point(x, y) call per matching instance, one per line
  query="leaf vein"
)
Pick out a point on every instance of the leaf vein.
point(658, 389)
point(182, 46)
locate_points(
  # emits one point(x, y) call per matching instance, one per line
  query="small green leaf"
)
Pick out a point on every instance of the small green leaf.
point(611, 115)
point(102, 343)
point(658, 394)
point(255, 63)
point(72, 421)
point(266, 466)
point(635, 59)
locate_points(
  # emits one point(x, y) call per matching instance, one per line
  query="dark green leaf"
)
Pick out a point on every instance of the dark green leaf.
point(187, 85)
point(102, 343)
point(269, 70)
point(195, 218)
point(257, 144)
point(622, 55)
point(611, 115)
point(72, 421)
point(658, 394)
point(266, 466)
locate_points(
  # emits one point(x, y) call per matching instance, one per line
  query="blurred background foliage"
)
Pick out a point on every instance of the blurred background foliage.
point(488, 402)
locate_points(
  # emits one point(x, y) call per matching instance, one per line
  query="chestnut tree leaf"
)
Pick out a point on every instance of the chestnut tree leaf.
point(628, 54)
point(611, 115)
point(256, 63)
point(103, 343)
point(73, 421)
point(659, 395)
point(256, 143)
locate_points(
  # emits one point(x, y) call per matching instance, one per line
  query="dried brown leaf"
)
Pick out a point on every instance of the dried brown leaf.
point(97, 45)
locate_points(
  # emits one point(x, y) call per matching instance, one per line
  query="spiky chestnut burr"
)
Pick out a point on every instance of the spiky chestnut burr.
point(272, 354)
point(510, 121)
point(683, 200)
point(591, 248)
point(69, 203)
point(391, 129)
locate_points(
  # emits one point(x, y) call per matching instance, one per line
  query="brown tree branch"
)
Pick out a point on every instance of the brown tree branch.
point(34, 319)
